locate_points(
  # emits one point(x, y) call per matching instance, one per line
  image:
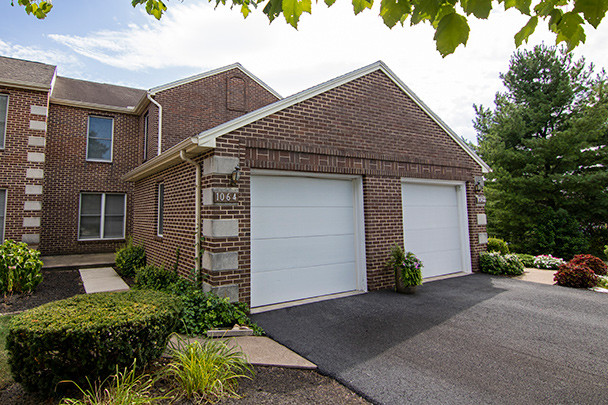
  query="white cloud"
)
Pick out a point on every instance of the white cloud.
point(49, 56)
point(328, 43)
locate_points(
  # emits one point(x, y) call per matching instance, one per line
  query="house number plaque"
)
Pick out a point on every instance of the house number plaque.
point(481, 199)
point(225, 196)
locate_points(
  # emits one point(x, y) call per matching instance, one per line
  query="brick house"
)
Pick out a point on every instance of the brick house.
point(291, 197)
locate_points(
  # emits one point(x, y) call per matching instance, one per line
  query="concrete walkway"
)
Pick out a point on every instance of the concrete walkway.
point(537, 276)
point(260, 351)
point(102, 279)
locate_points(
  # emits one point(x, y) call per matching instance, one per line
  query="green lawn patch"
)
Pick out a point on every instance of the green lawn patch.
point(5, 372)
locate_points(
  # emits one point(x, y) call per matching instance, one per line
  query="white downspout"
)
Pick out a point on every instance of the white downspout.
point(197, 213)
point(160, 122)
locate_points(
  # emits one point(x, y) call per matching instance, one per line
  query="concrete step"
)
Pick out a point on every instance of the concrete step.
point(102, 279)
point(80, 261)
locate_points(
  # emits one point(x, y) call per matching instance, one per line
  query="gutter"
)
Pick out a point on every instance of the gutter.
point(197, 211)
point(160, 122)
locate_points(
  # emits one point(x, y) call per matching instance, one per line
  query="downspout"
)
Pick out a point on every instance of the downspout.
point(160, 122)
point(197, 213)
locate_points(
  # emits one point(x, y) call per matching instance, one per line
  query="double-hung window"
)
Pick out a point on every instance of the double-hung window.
point(99, 139)
point(3, 118)
point(2, 214)
point(102, 216)
point(160, 207)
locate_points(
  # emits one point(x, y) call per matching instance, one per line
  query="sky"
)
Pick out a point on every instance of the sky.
point(112, 42)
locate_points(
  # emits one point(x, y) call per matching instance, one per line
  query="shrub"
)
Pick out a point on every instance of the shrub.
point(89, 335)
point(595, 264)
point(156, 278)
point(497, 245)
point(606, 251)
point(129, 258)
point(526, 260)
point(203, 311)
point(548, 262)
point(20, 267)
point(122, 388)
point(602, 281)
point(498, 264)
point(207, 372)
point(577, 276)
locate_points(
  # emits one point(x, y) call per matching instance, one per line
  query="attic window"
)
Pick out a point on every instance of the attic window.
point(236, 97)
point(99, 139)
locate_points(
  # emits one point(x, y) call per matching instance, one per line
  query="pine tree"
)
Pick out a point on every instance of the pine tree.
point(546, 142)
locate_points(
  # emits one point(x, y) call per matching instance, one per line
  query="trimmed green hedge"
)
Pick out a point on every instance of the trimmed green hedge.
point(89, 336)
point(498, 264)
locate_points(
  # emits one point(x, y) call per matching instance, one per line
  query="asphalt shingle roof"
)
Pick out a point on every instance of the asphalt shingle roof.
point(96, 93)
point(26, 72)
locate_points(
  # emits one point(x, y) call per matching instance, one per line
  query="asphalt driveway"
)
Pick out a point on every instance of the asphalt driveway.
point(476, 339)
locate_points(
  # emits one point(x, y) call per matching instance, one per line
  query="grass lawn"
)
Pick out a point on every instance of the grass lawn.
point(5, 374)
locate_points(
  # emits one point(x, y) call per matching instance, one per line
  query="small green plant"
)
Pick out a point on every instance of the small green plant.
point(502, 265)
point(498, 245)
point(207, 372)
point(89, 335)
point(130, 258)
point(122, 388)
point(526, 260)
point(606, 251)
point(595, 264)
point(407, 267)
point(548, 262)
point(576, 276)
point(203, 311)
point(153, 277)
point(602, 281)
point(20, 268)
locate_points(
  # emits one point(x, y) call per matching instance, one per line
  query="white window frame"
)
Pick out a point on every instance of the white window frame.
point(102, 216)
point(3, 143)
point(3, 218)
point(160, 210)
point(146, 129)
point(112, 139)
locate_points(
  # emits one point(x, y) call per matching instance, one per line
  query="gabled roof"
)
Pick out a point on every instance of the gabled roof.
point(82, 93)
point(26, 74)
point(213, 72)
point(206, 140)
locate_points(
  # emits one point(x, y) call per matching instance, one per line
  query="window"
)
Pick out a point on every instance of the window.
point(146, 137)
point(102, 216)
point(161, 208)
point(3, 118)
point(99, 140)
point(2, 214)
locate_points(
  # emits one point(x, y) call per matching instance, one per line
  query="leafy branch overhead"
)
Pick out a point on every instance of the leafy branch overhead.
point(450, 18)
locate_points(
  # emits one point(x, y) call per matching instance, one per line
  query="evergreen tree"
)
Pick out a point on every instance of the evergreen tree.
point(546, 142)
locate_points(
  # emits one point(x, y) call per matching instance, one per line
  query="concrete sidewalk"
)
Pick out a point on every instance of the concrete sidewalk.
point(260, 351)
point(101, 279)
point(537, 276)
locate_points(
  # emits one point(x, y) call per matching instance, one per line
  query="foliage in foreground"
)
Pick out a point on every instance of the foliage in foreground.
point(5, 374)
point(122, 388)
point(497, 245)
point(157, 278)
point(499, 264)
point(595, 264)
point(207, 372)
point(450, 19)
point(526, 260)
point(576, 276)
point(89, 335)
point(406, 266)
point(548, 262)
point(20, 268)
point(129, 258)
point(543, 140)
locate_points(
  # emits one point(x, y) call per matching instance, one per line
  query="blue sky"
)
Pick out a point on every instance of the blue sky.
point(112, 42)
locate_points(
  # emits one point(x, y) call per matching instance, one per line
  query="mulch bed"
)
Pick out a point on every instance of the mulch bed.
point(55, 285)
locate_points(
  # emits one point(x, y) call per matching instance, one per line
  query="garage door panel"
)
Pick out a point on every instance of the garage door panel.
point(274, 254)
point(294, 284)
point(300, 191)
point(425, 240)
point(431, 217)
point(301, 221)
point(435, 262)
point(430, 195)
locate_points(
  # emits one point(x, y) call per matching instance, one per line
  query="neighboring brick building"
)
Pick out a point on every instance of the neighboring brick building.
point(298, 197)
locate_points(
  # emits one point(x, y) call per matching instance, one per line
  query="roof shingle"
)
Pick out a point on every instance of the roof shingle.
point(96, 93)
point(26, 72)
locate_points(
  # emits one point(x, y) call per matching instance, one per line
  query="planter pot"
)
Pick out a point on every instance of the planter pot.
point(404, 289)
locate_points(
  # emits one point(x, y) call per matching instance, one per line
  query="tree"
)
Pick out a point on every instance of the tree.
point(546, 141)
point(565, 18)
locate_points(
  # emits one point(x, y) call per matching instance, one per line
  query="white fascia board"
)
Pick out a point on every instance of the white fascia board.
point(213, 72)
point(93, 106)
point(207, 136)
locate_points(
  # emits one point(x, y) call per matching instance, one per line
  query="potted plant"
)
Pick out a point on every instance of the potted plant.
point(407, 268)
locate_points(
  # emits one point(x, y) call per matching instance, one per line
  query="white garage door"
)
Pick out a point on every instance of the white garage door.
point(302, 238)
point(433, 227)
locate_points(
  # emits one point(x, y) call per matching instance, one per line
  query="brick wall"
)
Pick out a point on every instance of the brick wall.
point(194, 107)
point(24, 149)
point(68, 173)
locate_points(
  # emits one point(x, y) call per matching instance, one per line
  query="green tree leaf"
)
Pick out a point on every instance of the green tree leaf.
point(293, 9)
point(526, 31)
point(479, 8)
point(452, 31)
point(593, 10)
point(392, 11)
point(570, 30)
point(360, 5)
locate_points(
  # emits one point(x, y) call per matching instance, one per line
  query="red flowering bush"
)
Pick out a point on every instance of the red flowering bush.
point(576, 276)
point(595, 264)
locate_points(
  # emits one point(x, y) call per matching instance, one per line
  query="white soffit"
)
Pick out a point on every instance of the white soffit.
point(211, 134)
